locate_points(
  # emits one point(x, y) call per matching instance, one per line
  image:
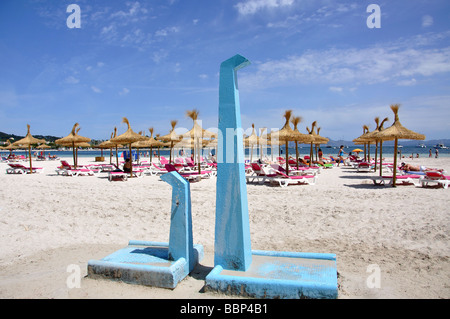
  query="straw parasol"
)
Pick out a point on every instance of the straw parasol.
point(319, 140)
point(9, 147)
point(28, 140)
point(287, 134)
point(315, 139)
point(141, 144)
point(72, 140)
point(302, 138)
point(251, 140)
point(128, 137)
point(397, 131)
point(371, 136)
point(197, 134)
point(362, 139)
point(153, 142)
point(43, 147)
point(171, 137)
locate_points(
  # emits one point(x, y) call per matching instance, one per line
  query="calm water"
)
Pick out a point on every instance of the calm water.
point(388, 151)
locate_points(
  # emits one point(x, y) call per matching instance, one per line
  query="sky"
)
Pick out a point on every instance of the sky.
point(340, 63)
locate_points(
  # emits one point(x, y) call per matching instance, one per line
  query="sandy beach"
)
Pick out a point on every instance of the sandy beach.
point(49, 222)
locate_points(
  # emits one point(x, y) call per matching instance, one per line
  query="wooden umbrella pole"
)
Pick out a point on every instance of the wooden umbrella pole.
point(381, 158)
point(29, 154)
point(287, 158)
point(131, 161)
point(73, 153)
point(198, 155)
point(376, 152)
point(394, 178)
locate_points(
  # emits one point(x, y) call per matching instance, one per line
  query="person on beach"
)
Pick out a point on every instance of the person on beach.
point(341, 155)
point(437, 153)
point(127, 166)
point(412, 168)
point(429, 154)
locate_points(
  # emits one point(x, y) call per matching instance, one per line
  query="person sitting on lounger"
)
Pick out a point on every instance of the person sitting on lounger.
point(127, 166)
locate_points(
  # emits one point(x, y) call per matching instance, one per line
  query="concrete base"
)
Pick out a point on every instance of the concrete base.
point(283, 275)
point(143, 263)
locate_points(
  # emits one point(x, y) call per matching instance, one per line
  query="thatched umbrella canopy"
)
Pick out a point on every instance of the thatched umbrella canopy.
point(196, 135)
point(111, 145)
point(171, 138)
point(128, 137)
point(9, 147)
point(361, 140)
point(315, 139)
point(153, 143)
point(302, 138)
point(371, 136)
point(287, 134)
point(71, 140)
point(397, 131)
point(43, 147)
point(251, 140)
point(141, 143)
point(319, 140)
point(28, 140)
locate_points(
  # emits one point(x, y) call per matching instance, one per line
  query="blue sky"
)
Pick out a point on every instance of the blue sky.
point(151, 61)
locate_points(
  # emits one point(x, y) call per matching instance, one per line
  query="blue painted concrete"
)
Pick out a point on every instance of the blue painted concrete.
point(181, 238)
point(232, 247)
point(238, 270)
point(154, 263)
point(280, 275)
point(144, 263)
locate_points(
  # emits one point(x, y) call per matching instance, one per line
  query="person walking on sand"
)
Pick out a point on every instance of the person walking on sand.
point(429, 154)
point(437, 153)
point(341, 155)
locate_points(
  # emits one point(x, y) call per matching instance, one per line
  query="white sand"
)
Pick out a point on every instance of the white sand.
point(48, 222)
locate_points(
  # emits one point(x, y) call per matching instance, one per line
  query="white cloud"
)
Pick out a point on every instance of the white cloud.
point(410, 82)
point(71, 80)
point(203, 76)
point(335, 89)
point(166, 31)
point(158, 56)
point(124, 91)
point(133, 11)
point(427, 21)
point(96, 89)
point(252, 6)
point(357, 66)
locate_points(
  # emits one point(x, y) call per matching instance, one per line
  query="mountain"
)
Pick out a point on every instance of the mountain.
point(5, 136)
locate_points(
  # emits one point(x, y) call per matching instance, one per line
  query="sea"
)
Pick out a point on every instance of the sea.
point(388, 151)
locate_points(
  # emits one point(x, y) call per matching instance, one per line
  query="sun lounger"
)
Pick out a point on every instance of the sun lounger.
point(401, 180)
point(258, 174)
point(156, 169)
point(435, 177)
point(77, 172)
point(284, 180)
point(191, 176)
point(117, 176)
point(20, 169)
point(364, 167)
